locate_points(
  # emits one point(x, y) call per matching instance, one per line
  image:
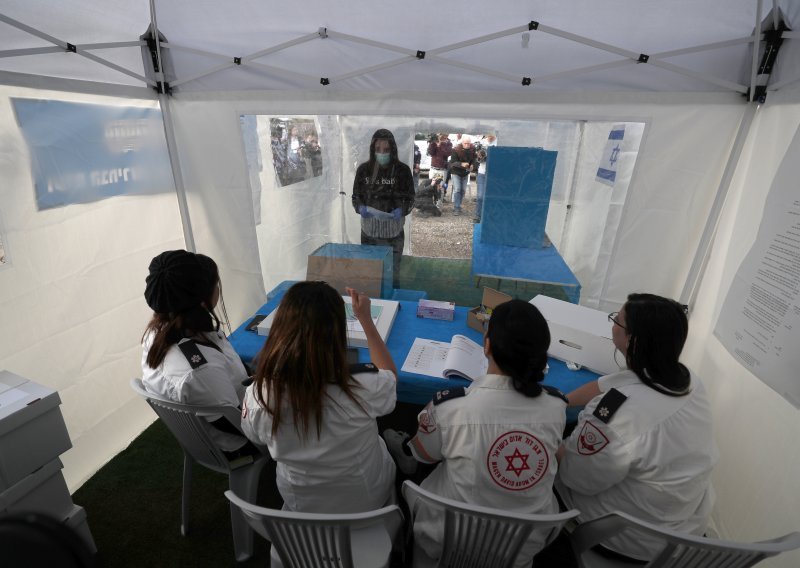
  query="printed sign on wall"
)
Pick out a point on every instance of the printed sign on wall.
point(82, 153)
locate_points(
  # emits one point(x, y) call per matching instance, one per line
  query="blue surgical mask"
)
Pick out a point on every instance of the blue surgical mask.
point(383, 159)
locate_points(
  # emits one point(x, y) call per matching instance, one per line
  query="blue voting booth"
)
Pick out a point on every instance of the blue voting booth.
point(518, 186)
point(510, 242)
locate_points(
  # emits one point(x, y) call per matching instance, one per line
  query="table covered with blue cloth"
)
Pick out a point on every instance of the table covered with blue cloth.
point(414, 388)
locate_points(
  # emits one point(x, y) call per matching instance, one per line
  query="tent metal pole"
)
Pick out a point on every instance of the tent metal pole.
point(169, 133)
point(484, 70)
point(366, 70)
point(701, 76)
point(701, 48)
point(756, 44)
point(30, 51)
point(691, 286)
point(477, 40)
point(67, 47)
point(581, 70)
point(180, 188)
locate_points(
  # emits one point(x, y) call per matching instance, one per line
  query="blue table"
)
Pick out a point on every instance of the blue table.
point(542, 265)
point(413, 388)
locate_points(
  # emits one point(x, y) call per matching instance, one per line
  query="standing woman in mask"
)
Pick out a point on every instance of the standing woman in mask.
point(185, 356)
point(383, 194)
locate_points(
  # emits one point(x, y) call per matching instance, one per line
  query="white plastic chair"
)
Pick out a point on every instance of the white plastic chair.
point(481, 536)
point(682, 550)
point(190, 428)
point(311, 540)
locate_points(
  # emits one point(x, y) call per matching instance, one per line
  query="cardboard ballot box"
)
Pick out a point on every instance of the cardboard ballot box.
point(32, 430)
point(578, 334)
point(478, 317)
point(366, 268)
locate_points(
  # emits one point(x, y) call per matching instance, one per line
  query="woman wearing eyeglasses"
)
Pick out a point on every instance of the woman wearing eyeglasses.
point(643, 443)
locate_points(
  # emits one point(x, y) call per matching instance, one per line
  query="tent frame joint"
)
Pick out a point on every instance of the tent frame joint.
point(420, 54)
point(526, 81)
point(533, 25)
point(237, 60)
point(643, 58)
point(71, 47)
point(324, 81)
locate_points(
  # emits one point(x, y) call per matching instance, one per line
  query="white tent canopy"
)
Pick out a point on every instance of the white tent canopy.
point(72, 289)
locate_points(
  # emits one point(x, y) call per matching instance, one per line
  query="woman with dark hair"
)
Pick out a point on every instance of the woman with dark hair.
point(643, 443)
point(495, 442)
point(316, 414)
point(185, 356)
point(383, 194)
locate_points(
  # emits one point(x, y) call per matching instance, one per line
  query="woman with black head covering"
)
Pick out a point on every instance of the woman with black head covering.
point(643, 444)
point(186, 358)
point(495, 443)
point(383, 194)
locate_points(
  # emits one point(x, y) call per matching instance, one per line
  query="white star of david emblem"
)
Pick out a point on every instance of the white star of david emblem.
point(603, 411)
point(196, 358)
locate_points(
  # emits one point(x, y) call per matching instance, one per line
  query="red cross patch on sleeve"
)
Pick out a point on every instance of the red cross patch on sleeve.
point(591, 440)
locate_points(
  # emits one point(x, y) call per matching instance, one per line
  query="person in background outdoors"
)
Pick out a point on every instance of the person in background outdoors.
point(496, 441)
point(439, 148)
point(480, 177)
point(185, 356)
point(312, 154)
point(462, 163)
point(643, 444)
point(428, 196)
point(417, 161)
point(316, 414)
point(383, 194)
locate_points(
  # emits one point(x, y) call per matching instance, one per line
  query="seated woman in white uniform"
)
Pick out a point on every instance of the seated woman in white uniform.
point(316, 414)
point(495, 442)
point(643, 443)
point(185, 356)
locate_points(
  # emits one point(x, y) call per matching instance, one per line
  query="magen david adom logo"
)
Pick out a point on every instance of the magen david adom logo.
point(517, 461)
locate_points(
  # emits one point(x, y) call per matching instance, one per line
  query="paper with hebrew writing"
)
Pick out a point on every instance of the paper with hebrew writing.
point(759, 323)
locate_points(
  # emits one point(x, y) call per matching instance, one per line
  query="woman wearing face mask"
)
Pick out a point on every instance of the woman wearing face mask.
point(383, 194)
point(643, 444)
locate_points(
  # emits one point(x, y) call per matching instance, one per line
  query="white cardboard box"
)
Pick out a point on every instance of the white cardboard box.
point(578, 334)
point(76, 520)
point(354, 338)
point(32, 429)
point(43, 491)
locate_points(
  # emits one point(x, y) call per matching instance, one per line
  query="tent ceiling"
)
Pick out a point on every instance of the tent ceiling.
point(579, 44)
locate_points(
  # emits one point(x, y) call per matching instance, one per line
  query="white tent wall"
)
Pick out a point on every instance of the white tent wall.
point(756, 429)
point(71, 295)
point(212, 157)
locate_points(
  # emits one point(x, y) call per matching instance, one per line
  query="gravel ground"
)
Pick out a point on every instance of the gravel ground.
point(448, 236)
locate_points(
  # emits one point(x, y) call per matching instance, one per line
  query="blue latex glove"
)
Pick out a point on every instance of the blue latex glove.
point(362, 210)
point(397, 214)
point(444, 186)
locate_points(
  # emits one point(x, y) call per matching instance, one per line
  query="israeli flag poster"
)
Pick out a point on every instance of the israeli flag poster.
point(607, 171)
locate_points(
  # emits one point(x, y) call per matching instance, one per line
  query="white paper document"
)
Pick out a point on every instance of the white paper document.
point(759, 323)
point(352, 322)
point(462, 357)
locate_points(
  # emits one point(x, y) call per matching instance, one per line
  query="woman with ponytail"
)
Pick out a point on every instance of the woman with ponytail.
point(185, 356)
point(495, 442)
point(643, 443)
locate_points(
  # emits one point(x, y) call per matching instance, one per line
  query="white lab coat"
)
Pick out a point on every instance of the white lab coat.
point(653, 460)
point(218, 382)
point(347, 469)
point(497, 448)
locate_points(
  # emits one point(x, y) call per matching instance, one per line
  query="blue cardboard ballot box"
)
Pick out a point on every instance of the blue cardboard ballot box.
point(518, 186)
